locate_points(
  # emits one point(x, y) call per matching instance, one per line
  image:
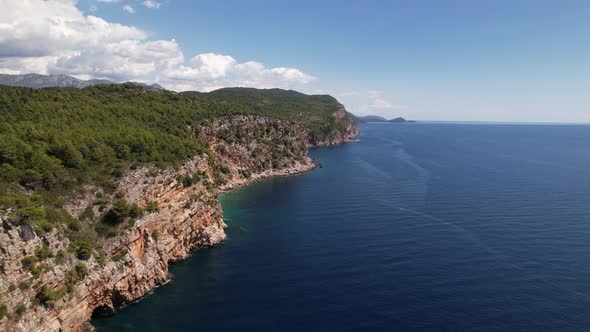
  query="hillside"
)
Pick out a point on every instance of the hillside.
point(314, 112)
point(102, 187)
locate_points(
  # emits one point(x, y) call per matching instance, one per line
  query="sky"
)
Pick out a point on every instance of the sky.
point(453, 60)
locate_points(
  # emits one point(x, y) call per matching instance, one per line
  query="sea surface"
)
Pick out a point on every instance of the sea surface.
point(435, 226)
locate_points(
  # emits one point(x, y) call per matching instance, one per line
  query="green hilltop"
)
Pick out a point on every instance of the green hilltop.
point(315, 112)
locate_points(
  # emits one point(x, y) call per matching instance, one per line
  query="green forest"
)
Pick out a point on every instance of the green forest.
point(314, 111)
point(53, 140)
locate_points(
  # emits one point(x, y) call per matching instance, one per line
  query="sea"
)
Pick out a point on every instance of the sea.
point(419, 226)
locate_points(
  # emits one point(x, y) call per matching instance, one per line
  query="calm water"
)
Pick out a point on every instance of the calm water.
point(420, 226)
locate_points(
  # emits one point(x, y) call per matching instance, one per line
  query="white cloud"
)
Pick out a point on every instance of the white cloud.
point(151, 4)
point(371, 102)
point(211, 71)
point(379, 103)
point(40, 28)
point(54, 37)
point(129, 9)
point(125, 60)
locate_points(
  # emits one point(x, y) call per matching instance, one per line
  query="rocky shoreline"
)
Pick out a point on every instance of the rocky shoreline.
point(298, 168)
point(188, 217)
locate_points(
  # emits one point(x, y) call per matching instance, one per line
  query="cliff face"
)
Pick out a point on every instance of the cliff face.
point(344, 132)
point(136, 259)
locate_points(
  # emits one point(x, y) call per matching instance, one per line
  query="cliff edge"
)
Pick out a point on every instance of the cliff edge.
point(112, 246)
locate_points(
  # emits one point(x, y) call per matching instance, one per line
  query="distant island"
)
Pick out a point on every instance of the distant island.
point(375, 118)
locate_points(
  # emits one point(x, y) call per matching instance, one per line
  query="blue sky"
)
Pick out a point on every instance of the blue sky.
point(425, 60)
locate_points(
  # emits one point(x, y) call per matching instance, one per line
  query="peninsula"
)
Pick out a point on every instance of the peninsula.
point(102, 187)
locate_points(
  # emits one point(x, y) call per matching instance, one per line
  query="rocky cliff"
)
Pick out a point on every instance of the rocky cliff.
point(46, 287)
point(344, 131)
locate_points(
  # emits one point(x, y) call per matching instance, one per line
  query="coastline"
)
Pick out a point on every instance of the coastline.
point(187, 218)
point(297, 169)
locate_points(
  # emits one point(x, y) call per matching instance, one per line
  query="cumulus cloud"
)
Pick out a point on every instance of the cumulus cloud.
point(151, 4)
point(41, 28)
point(375, 101)
point(54, 37)
point(210, 71)
point(129, 9)
point(379, 103)
point(129, 59)
point(370, 102)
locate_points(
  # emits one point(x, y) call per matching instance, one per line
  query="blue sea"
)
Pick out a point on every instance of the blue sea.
point(420, 226)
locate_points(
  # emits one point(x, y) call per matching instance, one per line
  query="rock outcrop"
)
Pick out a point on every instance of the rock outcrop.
point(345, 131)
point(183, 215)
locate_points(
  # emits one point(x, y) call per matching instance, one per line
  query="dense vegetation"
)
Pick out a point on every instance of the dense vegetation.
point(313, 111)
point(54, 140)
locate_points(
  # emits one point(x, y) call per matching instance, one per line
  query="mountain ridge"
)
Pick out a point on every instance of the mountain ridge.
point(39, 81)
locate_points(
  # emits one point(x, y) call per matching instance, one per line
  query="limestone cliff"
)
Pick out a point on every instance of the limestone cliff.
point(343, 133)
point(182, 214)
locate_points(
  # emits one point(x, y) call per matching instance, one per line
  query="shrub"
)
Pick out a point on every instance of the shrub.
point(29, 262)
point(24, 285)
point(12, 288)
point(48, 296)
point(43, 253)
point(20, 309)
point(60, 257)
point(152, 206)
point(118, 211)
point(81, 270)
point(105, 229)
point(87, 214)
point(3, 311)
point(100, 257)
point(156, 235)
point(71, 280)
point(83, 243)
point(185, 180)
point(119, 256)
point(135, 211)
point(219, 179)
point(84, 249)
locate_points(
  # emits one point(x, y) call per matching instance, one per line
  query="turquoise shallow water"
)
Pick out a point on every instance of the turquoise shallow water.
point(419, 226)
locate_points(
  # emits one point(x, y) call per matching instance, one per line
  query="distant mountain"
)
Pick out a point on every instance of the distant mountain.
point(375, 118)
point(150, 86)
point(37, 81)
